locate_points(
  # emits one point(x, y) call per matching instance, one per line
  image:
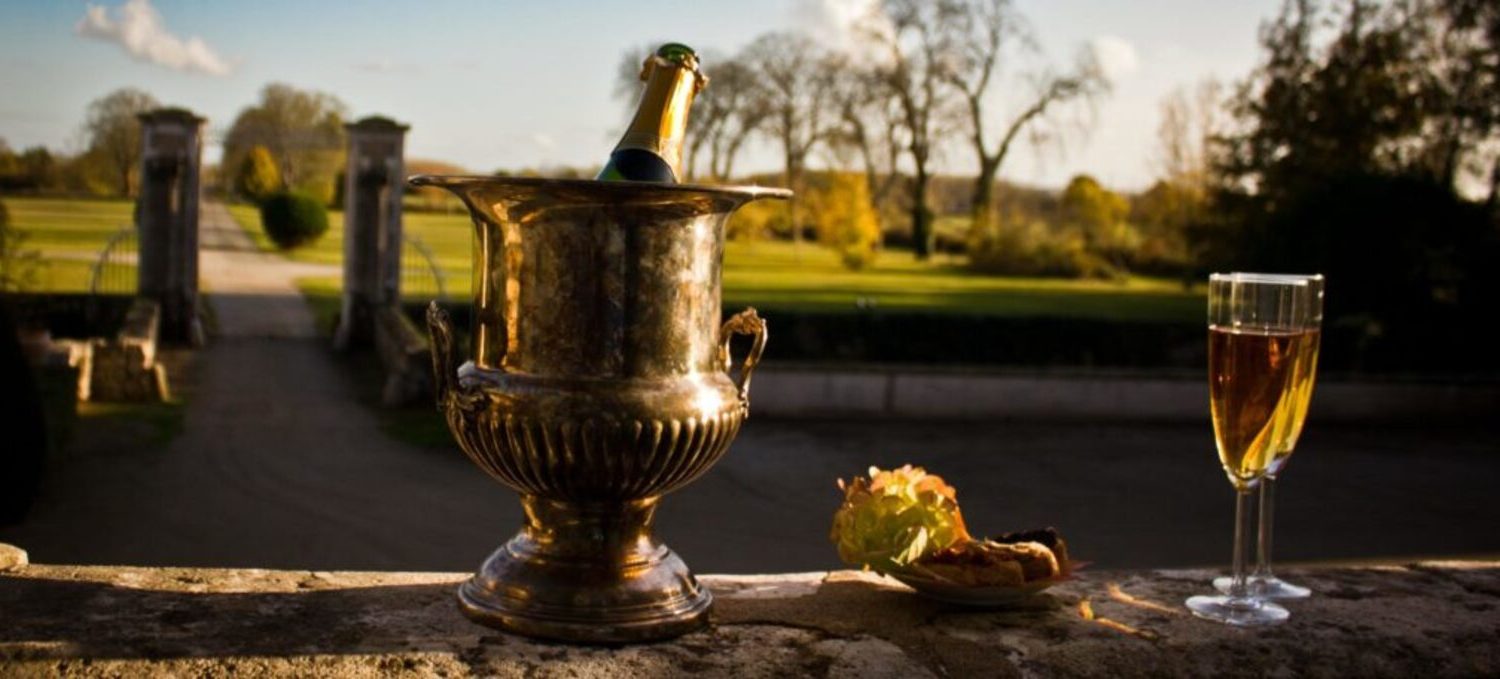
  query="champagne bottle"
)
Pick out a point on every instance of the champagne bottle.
point(651, 149)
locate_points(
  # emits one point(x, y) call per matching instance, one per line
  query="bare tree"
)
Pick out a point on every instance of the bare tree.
point(869, 125)
point(729, 111)
point(1189, 121)
point(912, 39)
point(114, 133)
point(628, 83)
point(796, 92)
point(983, 30)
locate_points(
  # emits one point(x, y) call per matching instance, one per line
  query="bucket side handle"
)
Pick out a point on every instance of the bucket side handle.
point(746, 322)
point(444, 369)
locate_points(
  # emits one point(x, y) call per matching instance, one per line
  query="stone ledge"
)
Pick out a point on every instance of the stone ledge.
point(1424, 619)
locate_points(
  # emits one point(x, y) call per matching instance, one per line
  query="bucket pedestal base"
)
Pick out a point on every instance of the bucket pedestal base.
point(587, 574)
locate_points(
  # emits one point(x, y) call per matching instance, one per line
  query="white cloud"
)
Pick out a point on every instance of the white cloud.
point(1116, 56)
point(543, 141)
point(138, 28)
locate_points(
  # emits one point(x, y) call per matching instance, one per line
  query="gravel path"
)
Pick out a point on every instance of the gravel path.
point(278, 463)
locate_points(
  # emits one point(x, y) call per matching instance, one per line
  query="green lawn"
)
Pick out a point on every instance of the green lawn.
point(68, 234)
point(777, 275)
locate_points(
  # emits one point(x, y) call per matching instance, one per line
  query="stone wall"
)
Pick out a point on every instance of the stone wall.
point(1423, 619)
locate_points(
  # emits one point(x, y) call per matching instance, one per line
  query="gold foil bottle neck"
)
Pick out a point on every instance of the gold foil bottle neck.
point(660, 123)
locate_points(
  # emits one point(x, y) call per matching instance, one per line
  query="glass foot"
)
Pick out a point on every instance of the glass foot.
point(1238, 612)
point(1268, 588)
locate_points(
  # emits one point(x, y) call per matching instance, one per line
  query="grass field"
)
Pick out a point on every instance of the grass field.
point(779, 275)
point(68, 233)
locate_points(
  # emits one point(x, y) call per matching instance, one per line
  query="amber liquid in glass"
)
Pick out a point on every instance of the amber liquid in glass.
point(1255, 394)
point(1294, 409)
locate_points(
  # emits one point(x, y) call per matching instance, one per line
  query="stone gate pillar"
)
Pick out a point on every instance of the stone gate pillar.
point(373, 181)
point(166, 215)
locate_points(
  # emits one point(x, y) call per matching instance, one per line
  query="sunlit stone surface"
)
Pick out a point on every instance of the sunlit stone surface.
point(1426, 619)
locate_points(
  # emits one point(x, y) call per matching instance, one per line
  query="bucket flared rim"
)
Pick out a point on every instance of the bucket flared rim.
point(461, 181)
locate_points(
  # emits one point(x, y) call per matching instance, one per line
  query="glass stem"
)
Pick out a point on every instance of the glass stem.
point(1238, 587)
point(1267, 511)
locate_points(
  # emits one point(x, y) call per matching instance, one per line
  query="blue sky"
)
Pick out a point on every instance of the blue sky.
point(508, 84)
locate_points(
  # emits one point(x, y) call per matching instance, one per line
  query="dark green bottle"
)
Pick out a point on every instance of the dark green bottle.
point(651, 149)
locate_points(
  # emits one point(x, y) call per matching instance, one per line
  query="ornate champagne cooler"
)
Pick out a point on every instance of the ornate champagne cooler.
point(598, 381)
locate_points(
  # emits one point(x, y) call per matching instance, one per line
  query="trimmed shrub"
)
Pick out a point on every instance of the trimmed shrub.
point(293, 219)
point(1033, 248)
point(759, 219)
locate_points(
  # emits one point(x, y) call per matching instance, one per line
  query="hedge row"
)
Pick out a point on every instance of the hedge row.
point(956, 341)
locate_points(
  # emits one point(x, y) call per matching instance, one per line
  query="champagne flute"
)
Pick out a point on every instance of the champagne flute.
point(1257, 323)
point(1263, 582)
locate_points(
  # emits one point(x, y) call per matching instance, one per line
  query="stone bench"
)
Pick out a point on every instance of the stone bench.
point(407, 357)
point(124, 367)
point(1422, 619)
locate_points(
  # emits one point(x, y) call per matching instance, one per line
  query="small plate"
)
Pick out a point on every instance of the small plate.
point(979, 597)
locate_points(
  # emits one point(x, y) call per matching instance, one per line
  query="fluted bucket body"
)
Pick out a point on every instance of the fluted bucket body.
point(597, 381)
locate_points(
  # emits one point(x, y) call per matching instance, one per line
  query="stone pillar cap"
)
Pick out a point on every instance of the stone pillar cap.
point(376, 124)
point(170, 114)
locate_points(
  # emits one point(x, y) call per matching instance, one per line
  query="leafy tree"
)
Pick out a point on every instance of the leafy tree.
point(1347, 163)
point(258, 176)
point(1458, 43)
point(304, 132)
point(114, 134)
point(1101, 217)
point(844, 220)
point(1163, 214)
point(33, 169)
point(11, 172)
point(1410, 265)
point(1313, 113)
point(39, 167)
